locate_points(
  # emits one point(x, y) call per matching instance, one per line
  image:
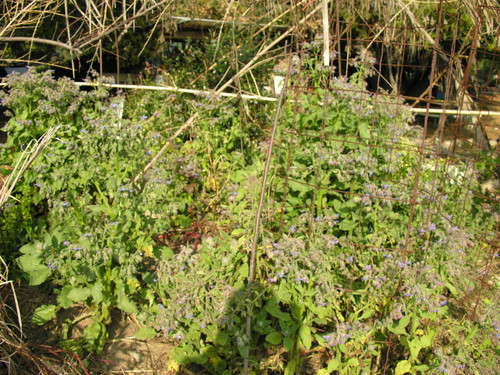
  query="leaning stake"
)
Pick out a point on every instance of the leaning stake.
point(253, 254)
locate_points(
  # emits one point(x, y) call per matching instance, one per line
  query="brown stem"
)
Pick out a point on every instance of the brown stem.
point(39, 40)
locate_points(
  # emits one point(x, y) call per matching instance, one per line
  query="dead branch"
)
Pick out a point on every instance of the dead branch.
point(31, 39)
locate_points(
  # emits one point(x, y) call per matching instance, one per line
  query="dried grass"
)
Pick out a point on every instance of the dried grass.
point(10, 330)
point(28, 157)
point(16, 355)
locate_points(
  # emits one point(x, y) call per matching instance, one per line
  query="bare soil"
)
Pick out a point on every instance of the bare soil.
point(123, 354)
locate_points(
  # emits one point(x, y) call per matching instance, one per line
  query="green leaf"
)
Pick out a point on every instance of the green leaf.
point(97, 208)
point(243, 271)
point(426, 341)
point(297, 186)
point(30, 249)
point(354, 362)
point(292, 366)
point(222, 338)
point(399, 328)
point(78, 294)
point(367, 314)
point(124, 303)
point(277, 313)
point(145, 333)
point(163, 252)
point(403, 367)
point(333, 364)
point(238, 232)
point(414, 346)
point(36, 271)
point(347, 225)
point(363, 128)
point(95, 337)
point(97, 292)
point(64, 301)
point(337, 205)
point(305, 336)
point(274, 338)
point(283, 293)
point(43, 314)
point(181, 354)
point(288, 344)
point(451, 288)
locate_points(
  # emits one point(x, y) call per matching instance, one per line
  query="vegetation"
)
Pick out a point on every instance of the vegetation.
point(355, 266)
point(375, 254)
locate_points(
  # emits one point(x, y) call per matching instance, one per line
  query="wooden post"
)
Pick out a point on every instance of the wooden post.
point(326, 35)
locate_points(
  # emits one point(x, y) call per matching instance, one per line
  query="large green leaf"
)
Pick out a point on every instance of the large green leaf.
point(275, 311)
point(347, 225)
point(95, 336)
point(97, 292)
point(288, 344)
point(297, 186)
point(32, 266)
point(364, 129)
point(274, 338)
point(145, 333)
point(78, 294)
point(305, 336)
point(124, 303)
point(30, 249)
point(402, 367)
point(43, 314)
point(399, 328)
point(243, 271)
point(64, 301)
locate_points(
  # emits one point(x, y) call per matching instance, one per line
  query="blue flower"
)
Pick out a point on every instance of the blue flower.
point(144, 117)
point(292, 229)
point(403, 265)
point(84, 131)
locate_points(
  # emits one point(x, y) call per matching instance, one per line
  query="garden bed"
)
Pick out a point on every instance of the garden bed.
point(373, 253)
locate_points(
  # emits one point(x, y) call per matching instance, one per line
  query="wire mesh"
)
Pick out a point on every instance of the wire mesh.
point(358, 174)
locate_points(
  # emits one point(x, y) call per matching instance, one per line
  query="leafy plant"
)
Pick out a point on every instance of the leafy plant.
point(362, 262)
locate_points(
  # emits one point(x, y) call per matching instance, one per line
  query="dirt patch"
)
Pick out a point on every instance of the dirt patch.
point(122, 353)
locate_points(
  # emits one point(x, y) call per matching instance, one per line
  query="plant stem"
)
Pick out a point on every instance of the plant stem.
point(251, 273)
